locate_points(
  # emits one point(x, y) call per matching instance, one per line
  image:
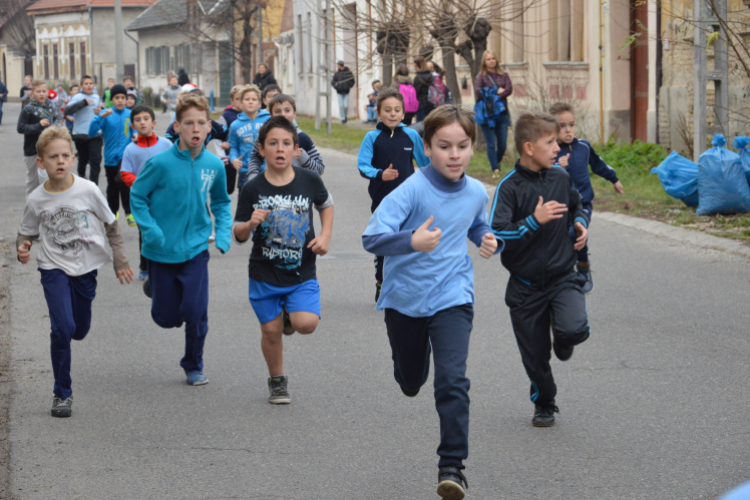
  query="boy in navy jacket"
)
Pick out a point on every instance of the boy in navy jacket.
point(532, 209)
point(244, 131)
point(385, 157)
point(575, 156)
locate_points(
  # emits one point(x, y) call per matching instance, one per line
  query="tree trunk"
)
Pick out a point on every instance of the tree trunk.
point(387, 69)
point(449, 65)
point(478, 31)
point(246, 45)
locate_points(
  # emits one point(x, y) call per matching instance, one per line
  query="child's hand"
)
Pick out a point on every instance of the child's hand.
point(389, 174)
point(320, 244)
point(489, 246)
point(108, 112)
point(70, 118)
point(97, 110)
point(225, 145)
point(424, 240)
point(500, 90)
point(297, 153)
point(618, 188)
point(125, 275)
point(237, 163)
point(583, 235)
point(563, 161)
point(89, 102)
point(259, 216)
point(44, 122)
point(551, 210)
point(24, 252)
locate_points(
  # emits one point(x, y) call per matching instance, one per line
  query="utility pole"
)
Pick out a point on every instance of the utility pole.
point(119, 58)
point(322, 75)
point(260, 33)
point(707, 22)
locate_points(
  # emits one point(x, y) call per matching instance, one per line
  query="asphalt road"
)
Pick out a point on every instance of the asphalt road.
point(654, 404)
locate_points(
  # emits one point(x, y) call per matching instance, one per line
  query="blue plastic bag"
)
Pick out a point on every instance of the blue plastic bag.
point(722, 185)
point(488, 109)
point(740, 144)
point(679, 177)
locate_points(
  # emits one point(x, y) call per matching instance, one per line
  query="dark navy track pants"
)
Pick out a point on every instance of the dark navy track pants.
point(69, 301)
point(180, 295)
point(446, 334)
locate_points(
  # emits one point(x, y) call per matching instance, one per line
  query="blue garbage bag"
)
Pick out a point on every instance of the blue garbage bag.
point(722, 185)
point(740, 144)
point(679, 177)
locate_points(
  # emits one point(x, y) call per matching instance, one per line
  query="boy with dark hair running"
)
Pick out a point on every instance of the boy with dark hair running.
point(531, 211)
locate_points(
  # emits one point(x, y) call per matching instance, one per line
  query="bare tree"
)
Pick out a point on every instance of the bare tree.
point(19, 29)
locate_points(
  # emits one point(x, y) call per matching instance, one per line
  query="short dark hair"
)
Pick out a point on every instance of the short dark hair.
point(446, 115)
point(86, 77)
point(270, 88)
point(280, 99)
point(402, 69)
point(277, 122)
point(561, 107)
point(387, 94)
point(141, 109)
point(128, 77)
point(532, 126)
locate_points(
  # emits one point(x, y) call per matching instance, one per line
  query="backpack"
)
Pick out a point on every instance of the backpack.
point(436, 93)
point(411, 104)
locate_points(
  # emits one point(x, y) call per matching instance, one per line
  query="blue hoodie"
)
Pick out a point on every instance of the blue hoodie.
point(169, 199)
point(117, 134)
point(242, 135)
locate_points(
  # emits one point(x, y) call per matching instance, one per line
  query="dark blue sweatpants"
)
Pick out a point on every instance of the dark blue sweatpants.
point(69, 301)
point(583, 253)
point(446, 334)
point(180, 295)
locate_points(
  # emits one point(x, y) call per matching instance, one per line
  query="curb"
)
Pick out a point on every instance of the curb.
point(652, 227)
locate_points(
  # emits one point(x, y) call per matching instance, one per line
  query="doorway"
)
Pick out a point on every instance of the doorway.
point(639, 71)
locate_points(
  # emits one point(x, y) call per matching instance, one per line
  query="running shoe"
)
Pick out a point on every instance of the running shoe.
point(544, 416)
point(62, 408)
point(196, 377)
point(452, 484)
point(130, 220)
point(277, 387)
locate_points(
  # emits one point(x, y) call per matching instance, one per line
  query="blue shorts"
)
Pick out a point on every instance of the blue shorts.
point(268, 300)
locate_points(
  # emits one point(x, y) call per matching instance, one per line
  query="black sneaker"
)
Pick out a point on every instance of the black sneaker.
point(378, 286)
point(544, 416)
point(452, 484)
point(288, 328)
point(62, 408)
point(147, 287)
point(585, 272)
point(277, 386)
point(563, 353)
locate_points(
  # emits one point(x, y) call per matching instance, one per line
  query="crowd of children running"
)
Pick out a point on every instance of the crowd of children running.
point(176, 189)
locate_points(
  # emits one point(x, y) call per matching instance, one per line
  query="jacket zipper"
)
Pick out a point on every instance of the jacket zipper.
point(190, 203)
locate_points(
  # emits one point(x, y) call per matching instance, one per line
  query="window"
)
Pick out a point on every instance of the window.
point(165, 59)
point(72, 60)
point(55, 61)
point(147, 53)
point(45, 51)
point(157, 61)
point(300, 43)
point(83, 59)
point(566, 30)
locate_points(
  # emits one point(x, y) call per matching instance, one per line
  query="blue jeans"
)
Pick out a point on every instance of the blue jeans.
point(180, 295)
point(497, 140)
point(343, 106)
point(69, 301)
point(372, 114)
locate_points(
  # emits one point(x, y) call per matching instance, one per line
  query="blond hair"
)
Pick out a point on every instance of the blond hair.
point(50, 134)
point(532, 126)
point(235, 90)
point(446, 115)
point(251, 88)
point(484, 63)
point(191, 101)
point(36, 83)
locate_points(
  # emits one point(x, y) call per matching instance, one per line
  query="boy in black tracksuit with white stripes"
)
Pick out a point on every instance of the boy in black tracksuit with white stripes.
point(530, 212)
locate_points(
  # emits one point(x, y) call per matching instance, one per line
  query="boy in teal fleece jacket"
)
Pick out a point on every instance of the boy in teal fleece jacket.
point(114, 123)
point(244, 131)
point(169, 199)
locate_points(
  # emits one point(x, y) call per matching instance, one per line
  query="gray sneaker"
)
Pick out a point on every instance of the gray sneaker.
point(62, 408)
point(277, 388)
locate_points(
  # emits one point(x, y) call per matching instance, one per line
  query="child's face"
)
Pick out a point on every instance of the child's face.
point(130, 102)
point(128, 83)
point(26, 81)
point(193, 128)
point(567, 123)
point(173, 81)
point(73, 90)
point(119, 101)
point(278, 149)
point(286, 110)
point(542, 152)
point(57, 159)
point(270, 95)
point(143, 124)
point(110, 83)
point(391, 112)
point(237, 101)
point(250, 103)
point(450, 150)
point(40, 93)
point(87, 86)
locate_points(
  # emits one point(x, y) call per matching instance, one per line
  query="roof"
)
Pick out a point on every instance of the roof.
point(54, 6)
point(9, 9)
point(287, 18)
point(165, 13)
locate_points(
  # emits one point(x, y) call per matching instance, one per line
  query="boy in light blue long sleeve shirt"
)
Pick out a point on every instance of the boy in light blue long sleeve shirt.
point(428, 286)
point(244, 131)
point(169, 199)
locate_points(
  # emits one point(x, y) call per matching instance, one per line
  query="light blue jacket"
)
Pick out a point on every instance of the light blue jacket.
point(116, 131)
point(85, 115)
point(242, 136)
point(169, 199)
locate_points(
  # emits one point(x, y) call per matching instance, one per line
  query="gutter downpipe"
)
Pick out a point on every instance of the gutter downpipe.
point(601, 74)
point(137, 59)
point(91, 44)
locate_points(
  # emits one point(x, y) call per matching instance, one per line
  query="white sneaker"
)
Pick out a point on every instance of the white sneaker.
point(211, 239)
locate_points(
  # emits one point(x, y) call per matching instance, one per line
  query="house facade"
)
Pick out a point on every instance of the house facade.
point(75, 38)
point(284, 66)
point(16, 53)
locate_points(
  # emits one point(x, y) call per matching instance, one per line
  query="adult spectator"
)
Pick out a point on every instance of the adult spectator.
point(3, 98)
point(422, 81)
point(491, 76)
point(402, 83)
point(264, 77)
point(343, 81)
point(182, 77)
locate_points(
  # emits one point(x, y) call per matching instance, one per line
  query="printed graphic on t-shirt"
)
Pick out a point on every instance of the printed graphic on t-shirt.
point(285, 229)
point(68, 228)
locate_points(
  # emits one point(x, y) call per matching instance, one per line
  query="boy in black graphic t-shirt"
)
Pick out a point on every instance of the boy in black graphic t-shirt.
point(276, 209)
